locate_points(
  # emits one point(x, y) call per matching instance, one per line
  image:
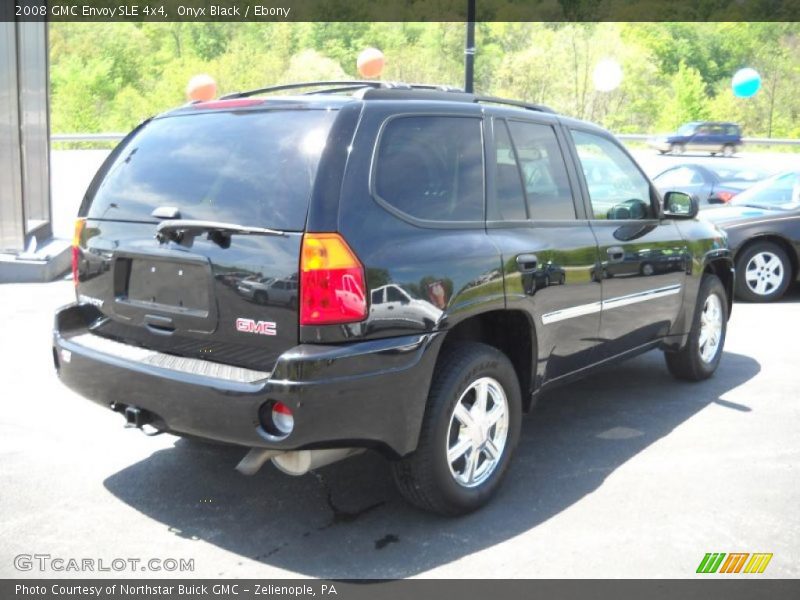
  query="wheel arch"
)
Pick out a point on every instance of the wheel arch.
point(722, 267)
point(512, 332)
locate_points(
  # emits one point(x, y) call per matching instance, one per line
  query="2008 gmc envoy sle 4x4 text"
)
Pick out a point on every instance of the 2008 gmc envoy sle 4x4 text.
point(372, 265)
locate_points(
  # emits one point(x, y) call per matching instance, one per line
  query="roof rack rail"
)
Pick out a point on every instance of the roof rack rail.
point(517, 103)
point(300, 85)
point(389, 89)
point(338, 87)
point(423, 92)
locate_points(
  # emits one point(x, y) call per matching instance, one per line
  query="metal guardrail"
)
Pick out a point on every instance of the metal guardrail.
point(643, 137)
point(625, 137)
point(86, 137)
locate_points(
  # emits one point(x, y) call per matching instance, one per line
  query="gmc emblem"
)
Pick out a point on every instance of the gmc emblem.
point(260, 327)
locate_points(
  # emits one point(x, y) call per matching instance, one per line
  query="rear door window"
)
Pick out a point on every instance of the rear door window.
point(246, 167)
point(510, 200)
point(544, 174)
point(431, 168)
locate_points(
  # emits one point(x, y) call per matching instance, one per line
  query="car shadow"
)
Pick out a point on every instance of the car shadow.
point(347, 521)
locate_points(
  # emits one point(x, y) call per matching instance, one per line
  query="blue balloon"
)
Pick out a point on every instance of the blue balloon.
point(746, 82)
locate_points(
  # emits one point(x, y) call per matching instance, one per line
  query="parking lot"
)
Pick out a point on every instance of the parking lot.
point(625, 474)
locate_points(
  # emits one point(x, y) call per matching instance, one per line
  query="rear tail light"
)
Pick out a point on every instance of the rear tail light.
point(76, 248)
point(725, 196)
point(332, 282)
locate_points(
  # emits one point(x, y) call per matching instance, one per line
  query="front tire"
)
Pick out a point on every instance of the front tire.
point(700, 357)
point(469, 432)
point(763, 272)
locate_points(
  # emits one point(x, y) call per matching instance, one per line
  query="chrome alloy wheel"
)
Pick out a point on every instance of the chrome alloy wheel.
point(710, 328)
point(764, 273)
point(478, 432)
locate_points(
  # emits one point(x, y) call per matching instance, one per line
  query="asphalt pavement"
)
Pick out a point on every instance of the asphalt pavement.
point(628, 473)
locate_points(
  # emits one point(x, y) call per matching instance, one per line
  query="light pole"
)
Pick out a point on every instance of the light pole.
point(469, 48)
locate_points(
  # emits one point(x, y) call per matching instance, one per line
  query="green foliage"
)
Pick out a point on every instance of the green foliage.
point(109, 76)
point(685, 99)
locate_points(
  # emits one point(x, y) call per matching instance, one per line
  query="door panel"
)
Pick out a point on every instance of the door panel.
point(557, 288)
point(643, 266)
point(642, 260)
point(549, 255)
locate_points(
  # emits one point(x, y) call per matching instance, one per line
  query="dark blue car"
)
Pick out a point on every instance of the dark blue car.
point(701, 136)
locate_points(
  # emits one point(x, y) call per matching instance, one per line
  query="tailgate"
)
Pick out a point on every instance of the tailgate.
point(229, 296)
point(235, 305)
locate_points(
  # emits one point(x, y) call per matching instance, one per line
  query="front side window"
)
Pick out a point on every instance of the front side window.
point(617, 189)
point(431, 168)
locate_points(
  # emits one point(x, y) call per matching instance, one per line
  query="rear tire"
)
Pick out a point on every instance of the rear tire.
point(457, 467)
point(700, 357)
point(728, 150)
point(763, 272)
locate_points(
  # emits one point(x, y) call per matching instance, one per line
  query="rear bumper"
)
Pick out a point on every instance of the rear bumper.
point(368, 393)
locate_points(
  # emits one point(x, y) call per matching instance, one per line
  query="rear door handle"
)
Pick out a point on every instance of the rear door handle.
point(527, 262)
point(615, 254)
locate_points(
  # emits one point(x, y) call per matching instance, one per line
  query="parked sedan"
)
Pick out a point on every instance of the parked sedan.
point(711, 184)
point(763, 227)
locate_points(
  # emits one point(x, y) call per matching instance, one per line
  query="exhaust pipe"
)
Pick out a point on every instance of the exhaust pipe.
point(300, 462)
point(254, 460)
point(296, 462)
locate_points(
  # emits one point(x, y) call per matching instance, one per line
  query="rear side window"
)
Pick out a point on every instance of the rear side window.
point(248, 168)
point(431, 168)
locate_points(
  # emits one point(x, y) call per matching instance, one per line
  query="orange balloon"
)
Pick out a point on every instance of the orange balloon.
point(201, 88)
point(370, 62)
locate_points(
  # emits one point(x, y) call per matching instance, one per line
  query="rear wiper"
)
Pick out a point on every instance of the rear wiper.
point(178, 229)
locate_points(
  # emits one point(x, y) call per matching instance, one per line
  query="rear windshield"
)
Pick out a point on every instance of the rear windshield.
point(248, 168)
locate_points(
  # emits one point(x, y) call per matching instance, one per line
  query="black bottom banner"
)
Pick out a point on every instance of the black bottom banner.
point(464, 589)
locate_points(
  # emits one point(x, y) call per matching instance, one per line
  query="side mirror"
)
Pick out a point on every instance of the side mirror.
point(715, 200)
point(679, 205)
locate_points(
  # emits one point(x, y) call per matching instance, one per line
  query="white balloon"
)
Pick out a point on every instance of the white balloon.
point(607, 75)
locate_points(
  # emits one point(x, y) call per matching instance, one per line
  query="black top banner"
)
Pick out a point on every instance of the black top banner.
point(398, 10)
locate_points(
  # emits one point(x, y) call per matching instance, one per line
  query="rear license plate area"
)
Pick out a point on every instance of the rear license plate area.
point(178, 286)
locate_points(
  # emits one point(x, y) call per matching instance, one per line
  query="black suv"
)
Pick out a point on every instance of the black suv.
point(444, 258)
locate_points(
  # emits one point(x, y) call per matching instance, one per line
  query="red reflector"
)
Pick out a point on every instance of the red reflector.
point(233, 103)
point(332, 281)
point(280, 407)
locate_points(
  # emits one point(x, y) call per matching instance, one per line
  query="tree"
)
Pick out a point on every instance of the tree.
point(685, 99)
